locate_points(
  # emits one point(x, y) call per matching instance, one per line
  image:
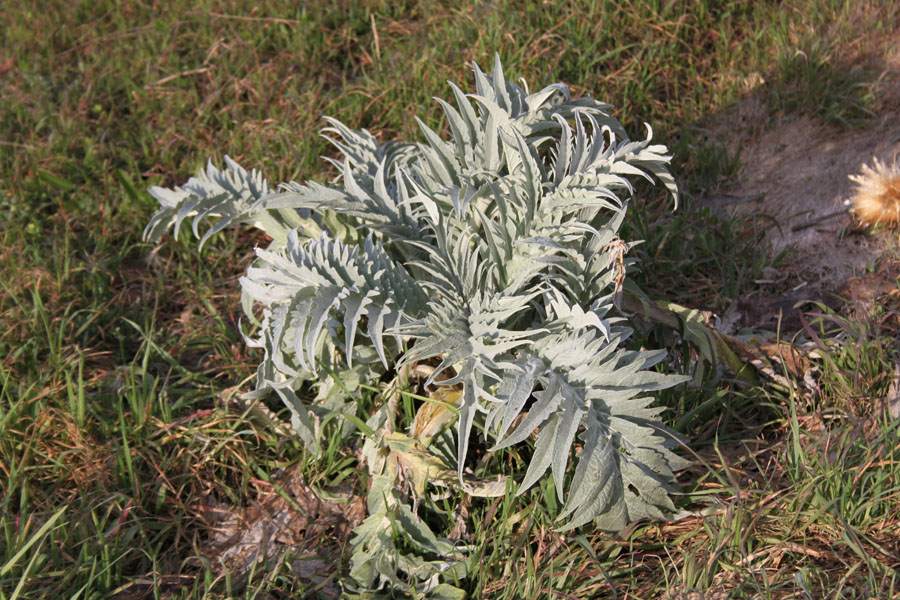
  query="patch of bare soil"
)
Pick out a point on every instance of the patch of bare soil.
point(795, 172)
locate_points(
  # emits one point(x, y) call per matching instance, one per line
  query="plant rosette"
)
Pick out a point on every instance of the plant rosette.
point(492, 260)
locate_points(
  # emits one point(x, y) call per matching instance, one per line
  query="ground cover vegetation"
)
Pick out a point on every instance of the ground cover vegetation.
point(124, 442)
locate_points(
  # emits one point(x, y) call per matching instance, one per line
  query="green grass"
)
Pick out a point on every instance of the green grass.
point(809, 80)
point(114, 440)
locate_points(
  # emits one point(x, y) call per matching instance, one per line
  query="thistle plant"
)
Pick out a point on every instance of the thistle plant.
point(488, 264)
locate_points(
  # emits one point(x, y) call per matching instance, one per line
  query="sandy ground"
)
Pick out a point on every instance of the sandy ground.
point(796, 171)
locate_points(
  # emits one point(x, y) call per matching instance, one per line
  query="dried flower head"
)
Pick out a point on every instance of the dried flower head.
point(877, 198)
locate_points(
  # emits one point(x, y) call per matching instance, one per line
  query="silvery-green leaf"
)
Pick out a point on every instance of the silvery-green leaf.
point(224, 197)
point(543, 454)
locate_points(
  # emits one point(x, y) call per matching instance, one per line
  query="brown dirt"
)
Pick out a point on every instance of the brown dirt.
point(796, 172)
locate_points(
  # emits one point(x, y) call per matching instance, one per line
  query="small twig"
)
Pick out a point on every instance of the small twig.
point(169, 78)
point(817, 221)
point(17, 145)
point(246, 18)
point(375, 34)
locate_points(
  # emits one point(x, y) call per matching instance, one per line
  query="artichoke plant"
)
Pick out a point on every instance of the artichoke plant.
point(489, 257)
